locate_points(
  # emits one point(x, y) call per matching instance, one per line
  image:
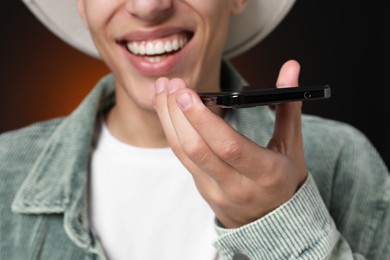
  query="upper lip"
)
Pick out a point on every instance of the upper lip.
point(148, 35)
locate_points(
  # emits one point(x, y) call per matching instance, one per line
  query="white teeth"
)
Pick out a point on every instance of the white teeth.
point(156, 47)
point(154, 59)
point(159, 47)
point(132, 48)
point(168, 47)
point(142, 50)
point(149, 48)
point(175, 45)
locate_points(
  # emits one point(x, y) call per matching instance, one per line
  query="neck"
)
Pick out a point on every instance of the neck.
point(140, 127)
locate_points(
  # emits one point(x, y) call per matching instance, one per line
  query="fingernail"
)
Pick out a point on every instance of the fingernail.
point(172, 87)
point(159, 86)
point(184, 100)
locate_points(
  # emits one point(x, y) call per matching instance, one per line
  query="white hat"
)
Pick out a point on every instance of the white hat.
point(246, 30)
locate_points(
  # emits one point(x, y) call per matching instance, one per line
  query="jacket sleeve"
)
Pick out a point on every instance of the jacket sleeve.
point(300, 228)
point(356, 225)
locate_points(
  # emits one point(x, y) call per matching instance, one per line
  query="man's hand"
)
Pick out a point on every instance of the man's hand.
point(240, 180)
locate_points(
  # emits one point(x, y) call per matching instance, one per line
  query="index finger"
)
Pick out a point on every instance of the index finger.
point(232, 147)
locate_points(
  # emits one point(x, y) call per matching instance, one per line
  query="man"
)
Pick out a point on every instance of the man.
point(143, 170)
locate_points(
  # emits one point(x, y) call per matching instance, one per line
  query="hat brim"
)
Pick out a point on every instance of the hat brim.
point(246, 30)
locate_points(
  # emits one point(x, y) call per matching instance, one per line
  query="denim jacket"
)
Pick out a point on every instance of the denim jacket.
point(340, 212)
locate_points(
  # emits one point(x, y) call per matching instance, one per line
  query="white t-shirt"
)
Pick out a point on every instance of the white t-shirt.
point(145, 205)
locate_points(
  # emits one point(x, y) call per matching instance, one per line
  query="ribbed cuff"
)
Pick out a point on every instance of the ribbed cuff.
point(302, 227)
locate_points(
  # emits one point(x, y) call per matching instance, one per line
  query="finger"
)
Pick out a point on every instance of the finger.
point(163, 86)
point(287, 135)
point(160, 103)
point(193, 144)
point(230, 146)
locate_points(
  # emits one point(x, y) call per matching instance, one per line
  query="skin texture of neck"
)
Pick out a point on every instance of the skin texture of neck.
point(133, 124)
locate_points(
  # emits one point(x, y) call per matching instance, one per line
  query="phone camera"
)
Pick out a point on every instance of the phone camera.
point(307, 95)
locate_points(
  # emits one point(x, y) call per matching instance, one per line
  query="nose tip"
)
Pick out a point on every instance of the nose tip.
point(150, 10)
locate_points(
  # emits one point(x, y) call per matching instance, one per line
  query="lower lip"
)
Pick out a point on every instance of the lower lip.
point(163, 67)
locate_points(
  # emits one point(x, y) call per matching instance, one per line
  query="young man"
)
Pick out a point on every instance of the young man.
point(143, 170)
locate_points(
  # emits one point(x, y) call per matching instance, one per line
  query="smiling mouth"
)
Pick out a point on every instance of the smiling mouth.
point(157, 50)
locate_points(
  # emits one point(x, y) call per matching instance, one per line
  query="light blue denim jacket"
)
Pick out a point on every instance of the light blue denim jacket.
point(341, 211)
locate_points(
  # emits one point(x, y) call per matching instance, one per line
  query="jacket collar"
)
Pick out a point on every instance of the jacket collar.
point(57, 181)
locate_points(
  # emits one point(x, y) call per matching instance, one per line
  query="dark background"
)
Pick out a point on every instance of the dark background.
point(341, 43)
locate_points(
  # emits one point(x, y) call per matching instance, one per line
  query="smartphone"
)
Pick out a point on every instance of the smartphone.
point(266, 96)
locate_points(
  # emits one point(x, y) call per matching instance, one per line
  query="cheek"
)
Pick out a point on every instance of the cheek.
point(99, 17)
point(217, 10)
point(212, 12)
point(98, 13)
point(210, 7)
point(216, 15)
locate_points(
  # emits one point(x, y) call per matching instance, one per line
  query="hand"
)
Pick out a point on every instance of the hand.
point(240, 180)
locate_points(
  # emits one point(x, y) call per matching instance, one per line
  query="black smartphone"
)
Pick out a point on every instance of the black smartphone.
point(268, 96)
